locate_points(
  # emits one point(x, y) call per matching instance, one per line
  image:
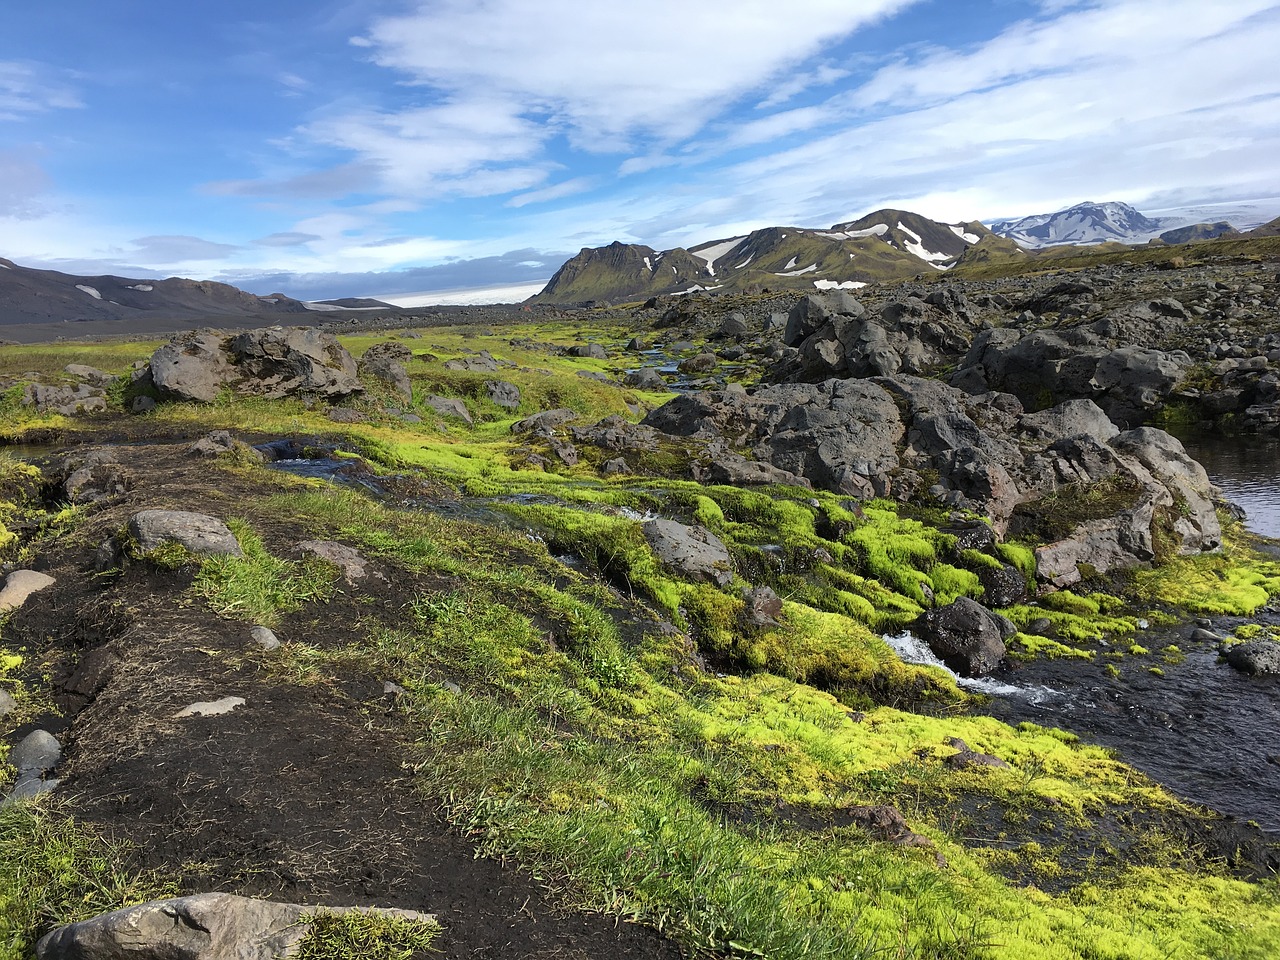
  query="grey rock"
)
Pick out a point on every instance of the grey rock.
point(67, 401)
point(192, 367)
point(20, 585)
point(615, 465)
point(646, 378)
point(265, 638)
point(967, 757)
point(213, 444)
point(546, 422)
point(346, 558)
point(206, 926)
point(503, 394)
point(36, 754)
point(28, 788)
point(592, 351)
point(7, 703)
point(196, 532)
point(98, 378)
point(965, 636)
point(142, 405)
point(387, 369)
point(449, 407)
point(693, 552)
point(698, 363)
point(1255, 657)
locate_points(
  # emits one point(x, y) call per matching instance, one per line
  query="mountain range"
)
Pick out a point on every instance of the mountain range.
point(883, 246)
point(31, 296)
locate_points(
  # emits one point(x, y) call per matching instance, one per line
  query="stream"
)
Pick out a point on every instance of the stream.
point(1203, 729)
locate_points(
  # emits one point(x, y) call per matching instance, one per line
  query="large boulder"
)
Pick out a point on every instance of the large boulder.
point(965, 636)
point(206, 926)
point(272, 363)
point(1255, 657)
point(385, 362)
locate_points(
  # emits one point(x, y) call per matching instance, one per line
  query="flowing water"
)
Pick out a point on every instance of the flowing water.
point(1201, 728)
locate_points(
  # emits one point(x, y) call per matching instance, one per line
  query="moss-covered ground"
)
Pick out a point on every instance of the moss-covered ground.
point(642, 744)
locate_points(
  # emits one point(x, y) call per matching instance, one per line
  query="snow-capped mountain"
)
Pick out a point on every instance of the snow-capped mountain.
point(1085, 223)
point(885, 245)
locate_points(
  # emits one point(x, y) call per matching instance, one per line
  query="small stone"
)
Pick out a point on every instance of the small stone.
point(7, 703)
point(210, 708)
point(393, 690)
point(264, 638)
point(20, 585)
point(37, 754)
point(451, 686)
point(142, 405)
point(196, 532)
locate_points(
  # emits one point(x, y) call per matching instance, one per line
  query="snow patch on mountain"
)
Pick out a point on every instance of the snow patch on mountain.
point(959, 230)
point(91, 291)
point(798, 273)
point(915, 247)
point(715, 251)
point(839, 285)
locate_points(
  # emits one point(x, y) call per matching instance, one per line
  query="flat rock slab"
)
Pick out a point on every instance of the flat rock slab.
point(265, 638)
point(345, 558)
point(21, 584)
point(207, 926)
point(210, 708)
point(694, 552)
point(196, 532)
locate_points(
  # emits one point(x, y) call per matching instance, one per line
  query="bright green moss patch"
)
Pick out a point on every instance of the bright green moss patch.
point(1236, 581)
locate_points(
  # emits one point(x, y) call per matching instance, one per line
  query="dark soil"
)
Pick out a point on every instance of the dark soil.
point(303, 794)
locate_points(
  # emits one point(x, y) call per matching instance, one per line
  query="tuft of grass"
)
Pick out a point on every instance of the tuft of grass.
point(365, 935)
point(54, 871)
point(258, 586)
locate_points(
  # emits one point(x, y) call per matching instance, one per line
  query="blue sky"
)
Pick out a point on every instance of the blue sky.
point(344, 148)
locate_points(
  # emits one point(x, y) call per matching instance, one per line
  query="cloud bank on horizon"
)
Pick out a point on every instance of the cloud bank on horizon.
point(343, 148)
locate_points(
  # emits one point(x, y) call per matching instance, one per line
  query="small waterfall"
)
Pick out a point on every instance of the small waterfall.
point(912, 649)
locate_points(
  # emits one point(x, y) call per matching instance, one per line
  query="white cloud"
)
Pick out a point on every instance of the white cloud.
point(565, 188)
point(614, 72)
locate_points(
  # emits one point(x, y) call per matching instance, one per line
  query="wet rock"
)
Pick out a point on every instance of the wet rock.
point(20, 585)
point(964, 635)
point(151, 529)
point(1003, 587)
point(692, 552)
point(449, 407)
point(1255, 657)
point(503, 394)
point(206, 926)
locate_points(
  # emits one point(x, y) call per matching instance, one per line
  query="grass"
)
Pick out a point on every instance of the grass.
point(55, 870)
point(259, 587)
point(356, 935)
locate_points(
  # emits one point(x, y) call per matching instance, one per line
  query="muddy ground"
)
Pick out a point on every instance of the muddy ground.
point(303, 794)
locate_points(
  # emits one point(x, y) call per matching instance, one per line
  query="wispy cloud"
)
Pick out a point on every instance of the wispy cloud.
point(27, 88)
